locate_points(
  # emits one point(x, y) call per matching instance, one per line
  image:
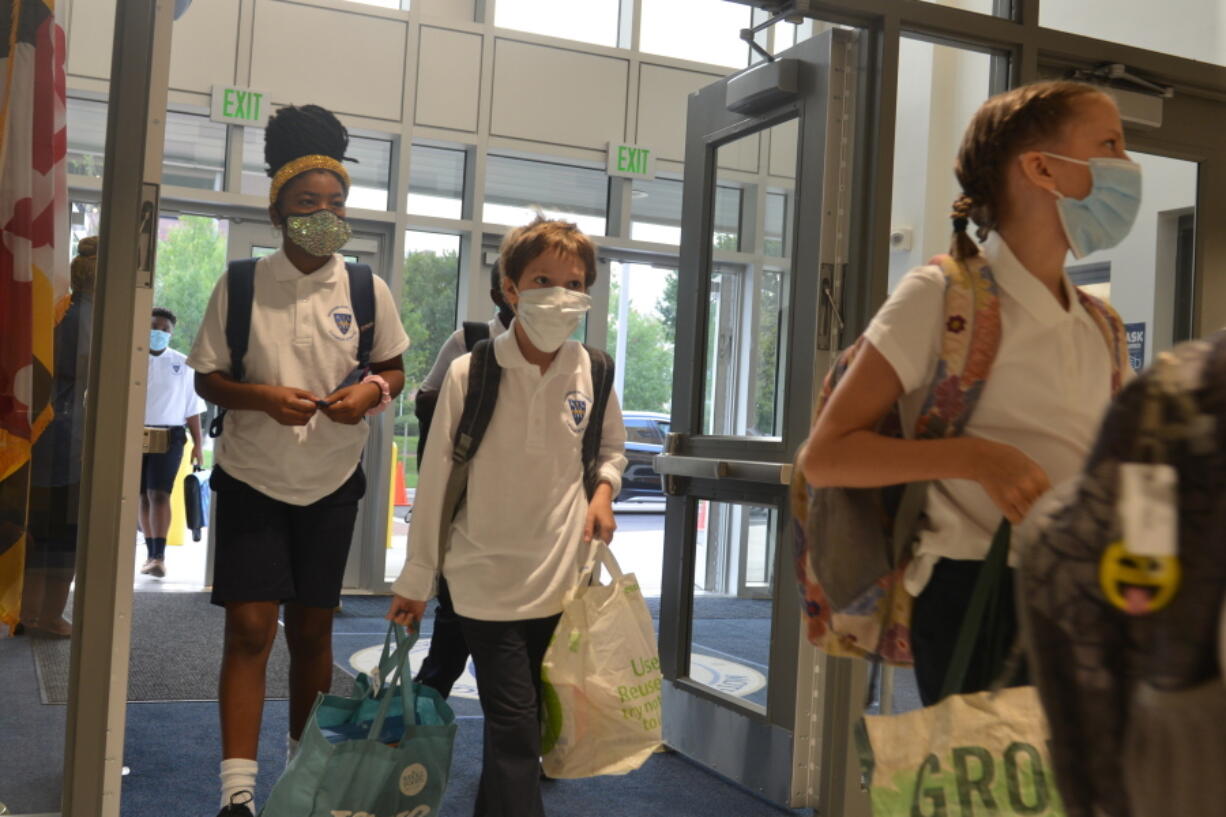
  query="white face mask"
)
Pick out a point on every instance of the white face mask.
point(549, 316)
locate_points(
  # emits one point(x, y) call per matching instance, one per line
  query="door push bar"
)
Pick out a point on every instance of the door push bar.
point(673, 465)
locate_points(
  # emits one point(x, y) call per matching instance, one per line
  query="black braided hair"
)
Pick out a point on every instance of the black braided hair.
point(305, 130)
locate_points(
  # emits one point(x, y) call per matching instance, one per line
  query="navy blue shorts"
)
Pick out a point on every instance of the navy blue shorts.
point(158, 471)
point(268, 550)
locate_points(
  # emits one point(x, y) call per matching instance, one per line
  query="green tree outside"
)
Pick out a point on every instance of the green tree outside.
point(190, 259)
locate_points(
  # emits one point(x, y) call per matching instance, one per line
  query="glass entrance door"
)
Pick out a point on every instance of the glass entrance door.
point(765, 237)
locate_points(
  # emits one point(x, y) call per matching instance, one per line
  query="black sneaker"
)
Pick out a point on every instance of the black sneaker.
point(240, 806)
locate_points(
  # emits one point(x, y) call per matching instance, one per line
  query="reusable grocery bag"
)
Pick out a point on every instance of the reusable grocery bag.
point(601, 678)
point(386, 752)
point(973, 755)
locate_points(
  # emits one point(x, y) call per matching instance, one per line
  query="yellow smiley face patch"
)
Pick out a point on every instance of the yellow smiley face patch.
point(1138, 584)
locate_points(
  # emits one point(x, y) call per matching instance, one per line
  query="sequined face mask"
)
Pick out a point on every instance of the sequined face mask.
point(320, 233)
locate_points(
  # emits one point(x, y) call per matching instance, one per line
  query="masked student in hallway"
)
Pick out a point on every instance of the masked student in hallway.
point(448, 655)
point(519, 538)
point(288, 475)
point(171, 403)
point(1043, 171)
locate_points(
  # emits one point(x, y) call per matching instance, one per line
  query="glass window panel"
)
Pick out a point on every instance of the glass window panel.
point(428, 312)
point(742, 387)
point(734, 576)
point(369, 175)
point(514, 187)
point(700, 30)
point(655, 213)
point(1176, 27)
point(980, 6)
point(195, 152)
point(655, 210)
point(727, 218)
point(436, 181)
point(84, 218)
point(647, 315)
point(939, 90)
point(86, 136)
point(589, 21)
point(775, 224)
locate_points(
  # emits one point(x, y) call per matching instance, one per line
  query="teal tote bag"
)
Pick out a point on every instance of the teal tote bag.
point(386, 752)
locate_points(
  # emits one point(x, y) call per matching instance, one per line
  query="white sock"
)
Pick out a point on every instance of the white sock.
point(291, 749)
point(237, 776)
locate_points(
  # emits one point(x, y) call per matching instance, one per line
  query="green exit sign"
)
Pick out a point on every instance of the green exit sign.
point(239, 106)
point(631, 161)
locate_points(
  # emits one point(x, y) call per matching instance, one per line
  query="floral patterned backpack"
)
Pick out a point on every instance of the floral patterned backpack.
point(853, 545)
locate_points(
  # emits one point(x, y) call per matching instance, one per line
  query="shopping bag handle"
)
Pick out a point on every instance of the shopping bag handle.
point(407, 694)
point(986, 587)
point(388, 660)
point(601, 555)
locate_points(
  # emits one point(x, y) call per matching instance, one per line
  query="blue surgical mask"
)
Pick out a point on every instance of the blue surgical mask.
point(158, 340)
point(1104, 218)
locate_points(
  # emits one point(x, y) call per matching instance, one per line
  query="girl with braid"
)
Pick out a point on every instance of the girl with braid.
point(1043, 172)
point(288, 475)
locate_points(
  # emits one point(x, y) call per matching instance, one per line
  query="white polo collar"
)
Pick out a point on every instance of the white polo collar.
point(1027, 289)
point(284, 270)
point(509, 356)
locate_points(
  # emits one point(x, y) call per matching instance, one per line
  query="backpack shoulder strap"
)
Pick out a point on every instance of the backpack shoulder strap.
point(1114, 333)
point(362, 300)
point(484, 377)
point(969, 342)
point(603, 370)
point(240, 295)
point(474, 332)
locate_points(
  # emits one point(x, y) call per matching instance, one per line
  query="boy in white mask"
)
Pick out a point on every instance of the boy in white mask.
point(520, 537)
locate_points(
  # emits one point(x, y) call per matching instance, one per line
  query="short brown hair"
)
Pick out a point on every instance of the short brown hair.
point(523, 245)
point(1005, 126)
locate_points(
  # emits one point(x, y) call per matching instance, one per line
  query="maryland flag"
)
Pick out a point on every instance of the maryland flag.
point(33, 266)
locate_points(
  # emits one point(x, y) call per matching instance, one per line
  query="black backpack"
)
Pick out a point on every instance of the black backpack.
point(240, 294)
point(426, 401)
point(484, 377)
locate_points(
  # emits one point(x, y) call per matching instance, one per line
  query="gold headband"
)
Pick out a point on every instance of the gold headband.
point(301, 165)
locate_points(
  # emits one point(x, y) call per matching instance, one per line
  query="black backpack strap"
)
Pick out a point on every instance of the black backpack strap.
point(362, 297)
point(603, 370)
point(362, 302)
point(474, 333)
point(240, 294)
point(484, 377)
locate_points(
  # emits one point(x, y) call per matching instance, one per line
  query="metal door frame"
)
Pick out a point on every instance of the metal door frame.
point(794, 753)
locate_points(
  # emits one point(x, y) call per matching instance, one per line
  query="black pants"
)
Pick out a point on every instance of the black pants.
point(508, 656)
point(936, 621)
point(448, 650)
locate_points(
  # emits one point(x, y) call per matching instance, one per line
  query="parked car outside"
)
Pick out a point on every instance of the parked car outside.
point(645, 433)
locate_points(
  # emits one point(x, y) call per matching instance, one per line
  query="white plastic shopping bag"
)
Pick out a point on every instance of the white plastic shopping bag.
point(601, 678)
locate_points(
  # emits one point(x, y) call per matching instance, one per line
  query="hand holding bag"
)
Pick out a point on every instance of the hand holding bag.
point(601, 678)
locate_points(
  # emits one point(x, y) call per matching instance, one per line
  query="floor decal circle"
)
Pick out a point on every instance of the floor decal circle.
point(722, 674)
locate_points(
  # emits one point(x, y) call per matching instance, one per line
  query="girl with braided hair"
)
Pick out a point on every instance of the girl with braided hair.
point(288, 471)
point(1043, 172)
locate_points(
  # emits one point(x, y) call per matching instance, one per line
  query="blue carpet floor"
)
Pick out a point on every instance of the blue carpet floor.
point(172, 748)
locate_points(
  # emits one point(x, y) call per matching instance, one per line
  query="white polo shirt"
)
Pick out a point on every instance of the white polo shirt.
point(452, 349)
point(303, 335)
point(1045, 394)
point(516, 544)
point(171, 395)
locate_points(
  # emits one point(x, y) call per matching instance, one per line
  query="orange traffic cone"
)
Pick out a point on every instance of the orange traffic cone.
point(400, 495)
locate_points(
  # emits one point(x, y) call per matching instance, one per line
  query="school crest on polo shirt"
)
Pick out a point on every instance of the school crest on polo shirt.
point(176, 367)
point(341, 323)
point(578, 405)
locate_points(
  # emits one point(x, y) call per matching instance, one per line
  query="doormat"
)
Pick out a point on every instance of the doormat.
point(176, 654)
